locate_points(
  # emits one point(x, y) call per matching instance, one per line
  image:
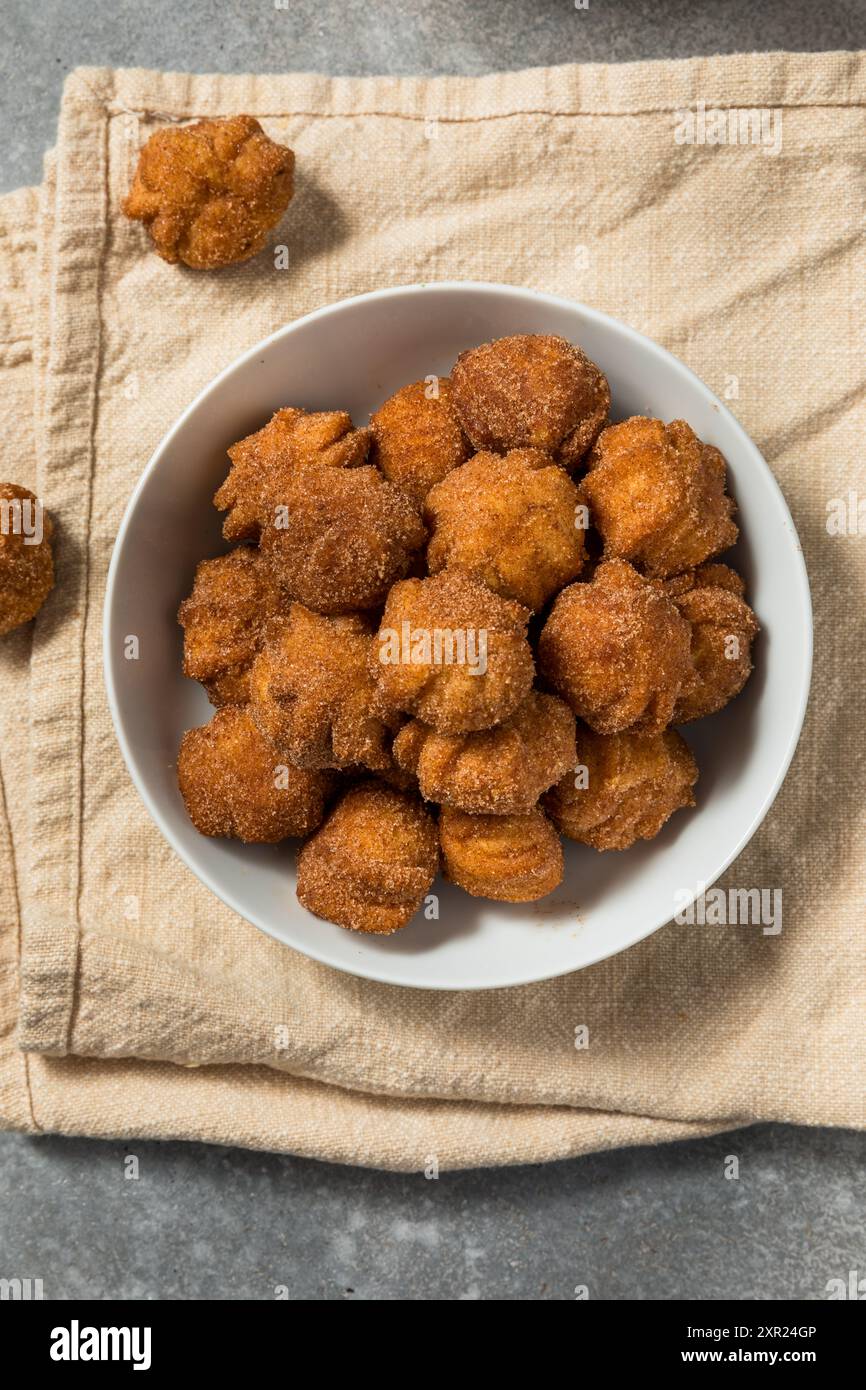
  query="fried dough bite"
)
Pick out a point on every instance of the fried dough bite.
point(452, 653)
point(209, 193)
point(26, 557)
point(372, 862)
point(311, 692)
point(234, 783)
point(233, 597)
point(511, 859)
point(264, 463)
point(657, 496)
point(500, 771)
point(629, 785)
point(346, 536)
point(417, 437)
point(511, 521)
point(723, 628)
point(617, 651)
point(533, 390)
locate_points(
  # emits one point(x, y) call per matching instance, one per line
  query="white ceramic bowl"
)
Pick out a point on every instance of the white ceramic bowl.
point(352, 355)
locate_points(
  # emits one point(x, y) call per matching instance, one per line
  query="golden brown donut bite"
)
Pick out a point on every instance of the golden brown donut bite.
point(265, 462)
point(500, 771)
point(343, 539)
point(417, 437)
point(511, 859)
point(311, 692)
point(616, 650)
point(534, 391)
point(209, 193)
point(26, 558)
point(512, 521)
point(624, 787)
point(372, 862)
point(233, 597)
point(657, 496)
point(452, 653)
point(234, 782)
point(723, 628)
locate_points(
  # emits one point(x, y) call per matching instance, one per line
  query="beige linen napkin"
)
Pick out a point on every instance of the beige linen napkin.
point(142, 1005)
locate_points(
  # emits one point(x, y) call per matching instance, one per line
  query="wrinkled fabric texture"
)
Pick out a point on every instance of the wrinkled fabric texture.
point(132, 1002)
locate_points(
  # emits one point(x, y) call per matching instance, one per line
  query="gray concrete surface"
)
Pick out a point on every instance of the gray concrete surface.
point(203, 1222)
point(212, 1223)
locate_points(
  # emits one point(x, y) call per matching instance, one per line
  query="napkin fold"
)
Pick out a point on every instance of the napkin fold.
point(131, 1001)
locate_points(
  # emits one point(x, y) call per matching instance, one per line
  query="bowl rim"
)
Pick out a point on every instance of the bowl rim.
point(364, 969)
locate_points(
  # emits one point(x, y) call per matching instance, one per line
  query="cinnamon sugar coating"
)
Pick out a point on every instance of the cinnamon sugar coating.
point(417, 438)
point(452, 653)
point(372, 862)
point(209, 193)
point(233, 597)
point(264, 463)
point(499, 771)
point(26, 561)
point(312, 692)
point(532, 390)
point(233, 782)
point(511, 859)
point(616, 650)
point(723, 628)
point(627, 785)
point(512, 521)
point(657, 496)
point(345, 537)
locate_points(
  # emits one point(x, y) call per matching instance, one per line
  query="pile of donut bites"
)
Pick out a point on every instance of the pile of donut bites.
point(451, 637)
